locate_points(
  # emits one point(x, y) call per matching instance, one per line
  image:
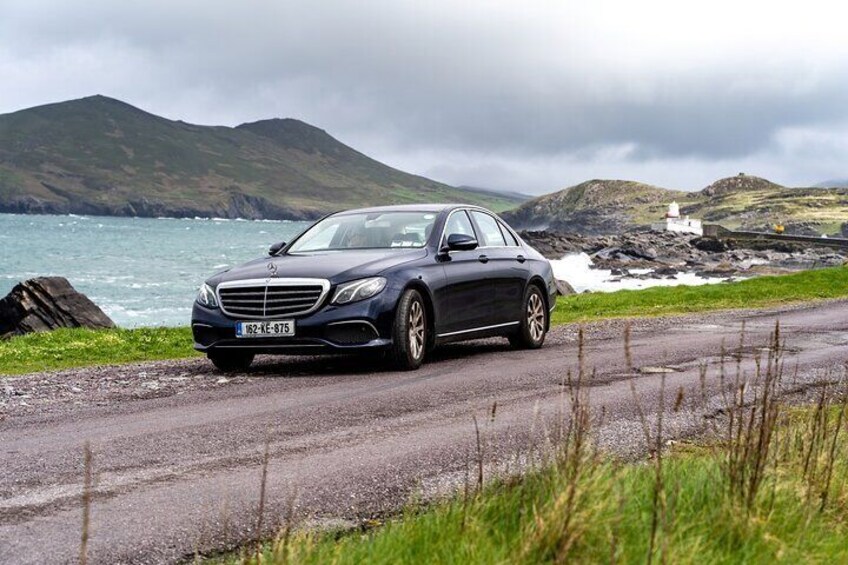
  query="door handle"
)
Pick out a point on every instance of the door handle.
point(521, 258)
point(483, 259)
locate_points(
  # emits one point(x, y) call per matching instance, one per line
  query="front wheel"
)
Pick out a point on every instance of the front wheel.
point(409, 333)
point(230, 362)
point(534, 321)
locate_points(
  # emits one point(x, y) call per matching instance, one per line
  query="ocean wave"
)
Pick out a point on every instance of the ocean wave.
point(578, 270)
point(136, 317)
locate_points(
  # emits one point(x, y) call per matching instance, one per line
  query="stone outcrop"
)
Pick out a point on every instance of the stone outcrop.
point(666, 253)
point(48, 303)
point(564, 288)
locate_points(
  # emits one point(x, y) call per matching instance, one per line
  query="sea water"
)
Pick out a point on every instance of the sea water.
point(140, 271)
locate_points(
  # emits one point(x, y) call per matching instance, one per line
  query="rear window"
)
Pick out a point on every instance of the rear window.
point(491, 233)
point(510, 239)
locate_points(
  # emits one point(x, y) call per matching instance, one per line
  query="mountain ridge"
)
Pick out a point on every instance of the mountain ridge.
point(100, 155)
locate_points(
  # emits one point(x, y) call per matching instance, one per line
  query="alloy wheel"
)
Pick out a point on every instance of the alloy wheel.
point(416, 329)
point(535, 316)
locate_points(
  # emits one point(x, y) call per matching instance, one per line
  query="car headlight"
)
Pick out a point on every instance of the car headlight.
point(358, 290)
point(206, 296)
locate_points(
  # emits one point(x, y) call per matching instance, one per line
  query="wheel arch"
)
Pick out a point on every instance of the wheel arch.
point(430, 310)
point(539, 282)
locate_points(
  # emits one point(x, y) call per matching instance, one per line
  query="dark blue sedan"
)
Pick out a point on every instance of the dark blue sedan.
point(398, 280)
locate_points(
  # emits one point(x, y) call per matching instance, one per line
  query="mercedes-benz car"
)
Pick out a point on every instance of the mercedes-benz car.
point(397, 280)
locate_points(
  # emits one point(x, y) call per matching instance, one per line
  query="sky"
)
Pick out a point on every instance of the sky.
point(531, 96)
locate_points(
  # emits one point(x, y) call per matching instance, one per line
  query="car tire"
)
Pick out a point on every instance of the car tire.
point(534, 321)
point(230, 362)
point(409, 332)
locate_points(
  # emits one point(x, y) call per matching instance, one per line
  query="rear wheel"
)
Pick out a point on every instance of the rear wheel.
point(230, 362)
point(534, 321)
point(409, 333)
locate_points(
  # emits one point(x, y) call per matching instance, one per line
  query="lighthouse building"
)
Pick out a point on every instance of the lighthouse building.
point(673, 222)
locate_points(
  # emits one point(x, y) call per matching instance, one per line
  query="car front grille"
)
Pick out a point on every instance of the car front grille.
point(272, 298)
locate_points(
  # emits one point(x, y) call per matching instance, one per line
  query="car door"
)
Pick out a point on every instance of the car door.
point(504, 268)
point(467, 298)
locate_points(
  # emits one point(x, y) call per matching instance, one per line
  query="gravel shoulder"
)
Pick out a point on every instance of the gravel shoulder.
point(62, 392)
point(177, 448)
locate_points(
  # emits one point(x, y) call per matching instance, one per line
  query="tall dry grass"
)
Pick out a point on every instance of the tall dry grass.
point(587, 506)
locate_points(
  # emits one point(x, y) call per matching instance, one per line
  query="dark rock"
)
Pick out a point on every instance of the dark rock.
point(710, 244)
point(640, 251)
point(564, 288)
point(607, 253)
point(668, 253)
point(666, 271)
point(47, 303)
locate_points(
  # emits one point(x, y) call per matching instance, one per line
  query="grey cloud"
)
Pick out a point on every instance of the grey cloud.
point(489, 91)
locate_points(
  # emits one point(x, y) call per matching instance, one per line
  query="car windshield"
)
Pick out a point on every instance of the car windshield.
point(361, 230)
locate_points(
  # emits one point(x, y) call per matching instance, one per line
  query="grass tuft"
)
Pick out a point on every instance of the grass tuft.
point(771, 486)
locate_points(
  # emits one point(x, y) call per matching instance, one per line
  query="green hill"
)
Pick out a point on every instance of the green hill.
point(98, 155)
point(742, 201)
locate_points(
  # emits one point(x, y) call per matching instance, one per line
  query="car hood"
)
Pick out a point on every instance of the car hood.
point(336, 266)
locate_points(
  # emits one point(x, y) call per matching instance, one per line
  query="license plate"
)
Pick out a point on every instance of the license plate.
point(278, 328)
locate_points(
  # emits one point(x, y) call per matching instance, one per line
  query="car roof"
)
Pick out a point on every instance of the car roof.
point(410, 208)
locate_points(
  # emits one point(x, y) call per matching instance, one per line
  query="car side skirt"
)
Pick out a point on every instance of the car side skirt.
point(477, 333)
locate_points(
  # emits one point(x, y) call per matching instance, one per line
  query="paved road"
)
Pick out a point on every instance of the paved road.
point(180, 471)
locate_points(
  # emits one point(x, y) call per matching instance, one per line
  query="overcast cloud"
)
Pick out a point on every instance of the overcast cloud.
point(528, 96)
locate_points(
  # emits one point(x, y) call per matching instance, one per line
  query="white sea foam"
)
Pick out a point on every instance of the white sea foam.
point(576, 268)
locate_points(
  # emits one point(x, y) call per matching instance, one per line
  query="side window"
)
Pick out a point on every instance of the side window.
point(510, 239)
point(459, 223)
point(491, 233)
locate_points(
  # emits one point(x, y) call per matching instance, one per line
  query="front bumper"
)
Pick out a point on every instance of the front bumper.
point(360, 326)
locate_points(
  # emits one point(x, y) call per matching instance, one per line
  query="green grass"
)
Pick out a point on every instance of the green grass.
point(609, 518)
point(663, 301)
point(65, 349)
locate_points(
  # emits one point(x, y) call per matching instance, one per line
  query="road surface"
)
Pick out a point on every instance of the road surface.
point(177, 450)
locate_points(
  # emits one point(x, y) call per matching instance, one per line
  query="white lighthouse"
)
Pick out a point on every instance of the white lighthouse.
point(673, 210)
point(673, 222)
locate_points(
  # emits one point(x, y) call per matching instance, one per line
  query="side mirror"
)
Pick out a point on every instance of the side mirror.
point(461, 242)
point(275, 248)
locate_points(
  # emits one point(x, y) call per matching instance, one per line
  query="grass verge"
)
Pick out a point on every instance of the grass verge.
point(524, 523)
point(758, 292)
point(68, 348)
point(771, 486)
point(65, 349)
